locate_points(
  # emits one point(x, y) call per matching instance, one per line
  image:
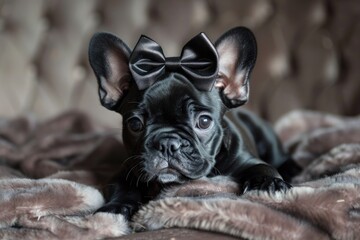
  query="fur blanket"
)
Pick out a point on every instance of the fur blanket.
point(51, 173)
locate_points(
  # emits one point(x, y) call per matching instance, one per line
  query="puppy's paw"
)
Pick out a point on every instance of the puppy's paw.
point(265, 183)
point(127, 210)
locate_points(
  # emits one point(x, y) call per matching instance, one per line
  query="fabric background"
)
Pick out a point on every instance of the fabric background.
point(307, 58)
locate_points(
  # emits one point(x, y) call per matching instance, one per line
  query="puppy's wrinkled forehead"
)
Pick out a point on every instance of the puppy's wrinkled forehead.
point(175, 95)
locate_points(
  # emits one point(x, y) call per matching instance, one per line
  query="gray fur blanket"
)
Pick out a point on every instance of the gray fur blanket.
point(51, 173)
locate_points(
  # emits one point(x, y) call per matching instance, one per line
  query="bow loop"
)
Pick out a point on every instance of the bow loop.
point(146, 62)
point(198, 61)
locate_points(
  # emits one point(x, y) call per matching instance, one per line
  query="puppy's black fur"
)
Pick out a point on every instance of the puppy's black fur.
point(175, 133)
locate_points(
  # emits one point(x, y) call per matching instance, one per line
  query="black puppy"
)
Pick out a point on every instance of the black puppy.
point(173, 109)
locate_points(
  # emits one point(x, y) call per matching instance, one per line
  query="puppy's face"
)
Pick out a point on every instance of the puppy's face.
point(172, 123)
point(174, 132)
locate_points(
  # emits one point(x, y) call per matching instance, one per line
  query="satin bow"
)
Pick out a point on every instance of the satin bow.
point(198, 61)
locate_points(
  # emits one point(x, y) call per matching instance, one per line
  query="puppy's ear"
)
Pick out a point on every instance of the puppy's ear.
point(109, 58)
point(237, 55)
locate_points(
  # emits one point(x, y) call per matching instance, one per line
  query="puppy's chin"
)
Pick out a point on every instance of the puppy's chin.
point(168, 175)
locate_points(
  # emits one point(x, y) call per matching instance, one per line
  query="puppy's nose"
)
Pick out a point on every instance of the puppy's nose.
point(169, 145)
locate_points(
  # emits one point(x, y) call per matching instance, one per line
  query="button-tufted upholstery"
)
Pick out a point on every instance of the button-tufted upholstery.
point(308, 50)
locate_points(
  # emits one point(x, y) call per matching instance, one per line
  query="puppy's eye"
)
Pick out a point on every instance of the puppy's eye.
point(135, 124)
point(204, 122)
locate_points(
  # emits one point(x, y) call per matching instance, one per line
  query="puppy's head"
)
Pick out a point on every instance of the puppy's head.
point(172, 127)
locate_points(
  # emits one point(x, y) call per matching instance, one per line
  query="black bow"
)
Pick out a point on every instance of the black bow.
point(198, 61)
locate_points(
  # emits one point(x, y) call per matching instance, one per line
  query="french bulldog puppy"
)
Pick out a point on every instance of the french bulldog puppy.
point(174, 123)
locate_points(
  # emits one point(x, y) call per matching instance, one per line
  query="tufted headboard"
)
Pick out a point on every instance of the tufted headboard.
point(308, 50)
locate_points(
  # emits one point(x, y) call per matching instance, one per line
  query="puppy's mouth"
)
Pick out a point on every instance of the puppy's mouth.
point(175, 170)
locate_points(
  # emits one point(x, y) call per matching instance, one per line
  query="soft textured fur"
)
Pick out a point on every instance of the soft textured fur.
point(54, 209)
point(67, 147)
point(323, 204)
point(322, 209)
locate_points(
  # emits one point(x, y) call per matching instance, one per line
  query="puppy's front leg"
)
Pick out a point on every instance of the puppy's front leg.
point(262, 177)
point(122, 199)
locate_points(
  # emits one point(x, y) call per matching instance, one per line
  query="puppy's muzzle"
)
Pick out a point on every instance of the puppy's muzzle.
point(168, 162)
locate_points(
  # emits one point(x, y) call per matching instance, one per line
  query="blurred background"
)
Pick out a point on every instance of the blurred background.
point(308, 56)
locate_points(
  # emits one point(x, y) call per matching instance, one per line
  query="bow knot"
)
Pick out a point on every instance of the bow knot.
point(172, 64)
point(198, 61)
